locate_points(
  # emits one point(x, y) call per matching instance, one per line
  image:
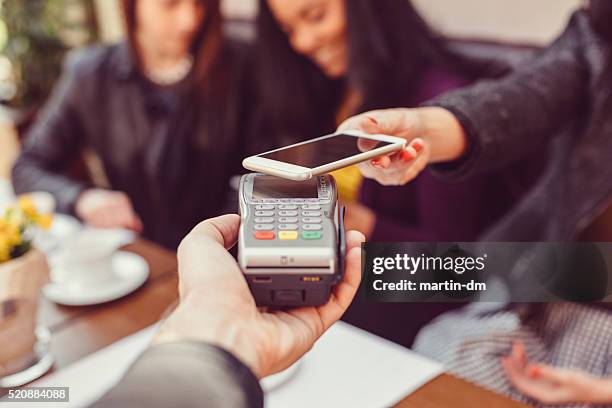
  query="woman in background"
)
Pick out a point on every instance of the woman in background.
point(320, 61)
point(161, 112)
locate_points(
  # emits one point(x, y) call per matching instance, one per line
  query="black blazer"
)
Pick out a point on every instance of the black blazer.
point(171, 156)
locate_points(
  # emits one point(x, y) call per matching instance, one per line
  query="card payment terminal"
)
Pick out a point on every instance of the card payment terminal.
point(291, 243)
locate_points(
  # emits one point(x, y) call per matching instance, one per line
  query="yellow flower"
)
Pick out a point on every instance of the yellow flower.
point(45, 221)
point(27, 206)
point(5, 249)
point(10, 233)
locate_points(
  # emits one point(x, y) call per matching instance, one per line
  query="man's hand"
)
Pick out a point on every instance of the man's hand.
point(551, 385)
point(433, 135)
point(107, 209)
point(216, 305)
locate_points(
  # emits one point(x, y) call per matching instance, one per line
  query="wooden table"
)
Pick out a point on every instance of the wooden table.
point(80, 331)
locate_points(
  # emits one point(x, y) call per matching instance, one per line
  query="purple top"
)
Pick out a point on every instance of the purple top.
point(430, 209)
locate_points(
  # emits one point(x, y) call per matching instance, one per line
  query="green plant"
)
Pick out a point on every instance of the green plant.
point(33, 41)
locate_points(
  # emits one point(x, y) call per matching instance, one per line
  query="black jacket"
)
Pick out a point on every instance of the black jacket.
point(172, 156)
point(562, 99)
point(185, 374)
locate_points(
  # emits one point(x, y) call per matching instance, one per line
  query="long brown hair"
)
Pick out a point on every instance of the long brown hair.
point(199, 115)
point(206, 46)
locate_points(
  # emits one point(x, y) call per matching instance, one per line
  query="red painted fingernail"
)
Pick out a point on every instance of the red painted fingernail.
point(376, 161)
point(418, 146)
point(406, 156)
point(533, 372)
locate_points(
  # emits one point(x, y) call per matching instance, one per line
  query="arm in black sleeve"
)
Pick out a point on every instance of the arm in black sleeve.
point(185, 374)
point(507, 119)
point(54, 140)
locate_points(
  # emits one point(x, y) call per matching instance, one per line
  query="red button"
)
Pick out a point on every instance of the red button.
point(264, 235)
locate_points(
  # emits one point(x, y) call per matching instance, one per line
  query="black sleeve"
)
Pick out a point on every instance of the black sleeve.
point(185, 374)
point(53, 141)
point(507, 119)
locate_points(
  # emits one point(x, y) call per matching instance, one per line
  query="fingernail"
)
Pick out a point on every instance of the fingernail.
point(406, 156)
point(533, 372)
point(376, 161)
point(418, 146)
point(372, 120)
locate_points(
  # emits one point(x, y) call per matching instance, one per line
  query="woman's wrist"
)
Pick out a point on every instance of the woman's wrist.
point(602, 391)
point(443, 132)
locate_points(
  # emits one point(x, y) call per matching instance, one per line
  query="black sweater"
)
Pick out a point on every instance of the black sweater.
point(561, 99)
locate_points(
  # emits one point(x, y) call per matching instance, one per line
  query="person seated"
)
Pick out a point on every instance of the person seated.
point(336, 58)
point(158, 110)
point(560, 101)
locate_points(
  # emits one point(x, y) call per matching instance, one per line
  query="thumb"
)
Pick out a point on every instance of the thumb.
point(548, 373)
point(223, 230)
point(368, 124)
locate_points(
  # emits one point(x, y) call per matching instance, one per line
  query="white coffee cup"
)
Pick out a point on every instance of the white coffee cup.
point(85, 261)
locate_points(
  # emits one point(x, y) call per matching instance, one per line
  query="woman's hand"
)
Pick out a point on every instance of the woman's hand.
point(433, 135)
point(107, 209)
point(216, 305)
point(551, 385)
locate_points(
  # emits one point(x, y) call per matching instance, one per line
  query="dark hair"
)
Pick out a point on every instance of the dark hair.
point(389, 48)
point(601, 15)
point(206, 44)
point(199, 116)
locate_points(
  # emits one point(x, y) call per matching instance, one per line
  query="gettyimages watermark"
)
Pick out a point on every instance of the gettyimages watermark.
point(491, 271)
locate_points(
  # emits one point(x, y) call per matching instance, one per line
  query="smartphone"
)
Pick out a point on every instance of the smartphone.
point(314, 157)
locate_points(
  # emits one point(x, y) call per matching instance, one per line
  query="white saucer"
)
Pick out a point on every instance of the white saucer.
point(274, 381)
point(130, 270)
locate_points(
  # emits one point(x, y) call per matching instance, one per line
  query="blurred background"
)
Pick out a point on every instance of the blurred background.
point(35, 35)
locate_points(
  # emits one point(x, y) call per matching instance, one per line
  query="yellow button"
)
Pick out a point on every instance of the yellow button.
point(285, 235)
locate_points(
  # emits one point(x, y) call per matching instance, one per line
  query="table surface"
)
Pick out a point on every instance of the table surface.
point(80, 331)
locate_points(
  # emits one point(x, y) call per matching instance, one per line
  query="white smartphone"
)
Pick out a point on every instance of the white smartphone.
point(324, 154)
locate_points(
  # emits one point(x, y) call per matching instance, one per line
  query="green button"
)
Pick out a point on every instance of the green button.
point(311, 234)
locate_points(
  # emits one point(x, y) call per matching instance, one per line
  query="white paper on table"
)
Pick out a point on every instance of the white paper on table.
point(346, 367)
point(349, 367)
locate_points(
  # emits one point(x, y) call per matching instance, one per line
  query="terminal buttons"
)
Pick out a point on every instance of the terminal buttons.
point(264, 235)
point(287, 213)
point(311, 235)
point(287, 235)
point(311, 227)
point(288, 227)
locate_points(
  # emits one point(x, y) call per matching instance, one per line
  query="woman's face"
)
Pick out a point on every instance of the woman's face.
point(317, 30)
point(168, 27)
